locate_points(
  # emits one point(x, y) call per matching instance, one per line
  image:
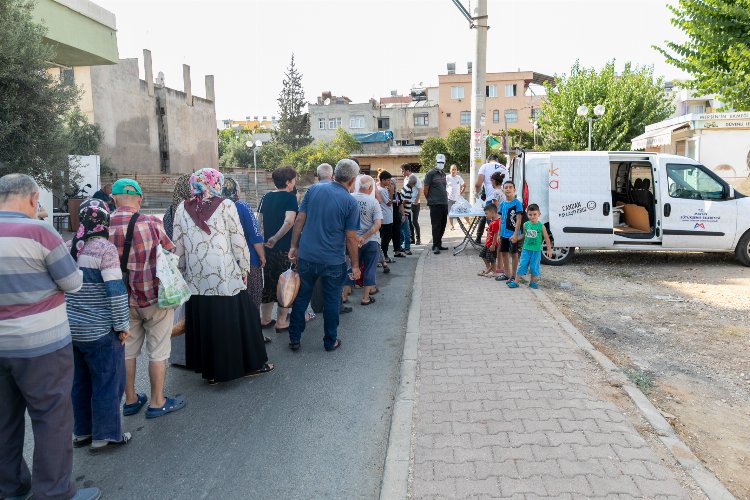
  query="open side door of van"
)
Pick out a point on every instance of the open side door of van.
point(580, 200)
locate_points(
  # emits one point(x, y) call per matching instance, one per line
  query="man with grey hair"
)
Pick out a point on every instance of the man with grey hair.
point(36, 353)
point(329, 216)
point(325, 172)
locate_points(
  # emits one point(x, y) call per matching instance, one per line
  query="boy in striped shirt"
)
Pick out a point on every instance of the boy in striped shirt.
point(407, 195)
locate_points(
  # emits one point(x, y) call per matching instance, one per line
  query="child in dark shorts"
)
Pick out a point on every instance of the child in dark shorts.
point(488, 253)
point(511, 214)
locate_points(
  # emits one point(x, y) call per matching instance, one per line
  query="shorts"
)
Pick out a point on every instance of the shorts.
point(369, 255)
point(530, 261)
point(488, 255)
point(507, 246)
point(154, 325)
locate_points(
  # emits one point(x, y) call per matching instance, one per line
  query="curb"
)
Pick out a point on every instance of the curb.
point(704, 478)
point(395, 483)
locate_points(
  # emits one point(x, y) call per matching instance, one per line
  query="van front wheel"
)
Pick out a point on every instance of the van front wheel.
point(743, 250)
point(560, 255)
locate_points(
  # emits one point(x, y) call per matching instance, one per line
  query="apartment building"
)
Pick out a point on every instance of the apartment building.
point(512, 98)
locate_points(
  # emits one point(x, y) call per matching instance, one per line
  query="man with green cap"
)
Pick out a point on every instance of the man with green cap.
point(142, 234)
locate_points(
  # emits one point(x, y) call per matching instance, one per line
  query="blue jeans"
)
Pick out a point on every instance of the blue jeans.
point(98, 386)
point(332, 277)
point(529, 261)
point(405, 237)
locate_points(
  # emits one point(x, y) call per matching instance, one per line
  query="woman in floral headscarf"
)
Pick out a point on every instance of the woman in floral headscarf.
point(223, 338)
point(181, 193)
point(98, 317)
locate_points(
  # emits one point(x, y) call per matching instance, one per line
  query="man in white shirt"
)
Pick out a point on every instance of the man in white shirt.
point(456, 187)
point(406, 170)
point(483, 179)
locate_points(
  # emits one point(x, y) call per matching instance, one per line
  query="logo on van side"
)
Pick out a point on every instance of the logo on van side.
point(699, 225)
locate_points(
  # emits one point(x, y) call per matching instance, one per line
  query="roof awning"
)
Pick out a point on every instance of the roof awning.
point(657, 137)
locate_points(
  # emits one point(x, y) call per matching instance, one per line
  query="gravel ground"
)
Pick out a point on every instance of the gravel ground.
point(679, 325)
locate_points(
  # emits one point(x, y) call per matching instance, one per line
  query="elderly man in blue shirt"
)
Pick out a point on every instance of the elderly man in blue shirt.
point(325, 229)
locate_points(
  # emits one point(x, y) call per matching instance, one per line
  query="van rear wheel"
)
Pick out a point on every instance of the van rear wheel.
point(560, 255)
point(742, 253)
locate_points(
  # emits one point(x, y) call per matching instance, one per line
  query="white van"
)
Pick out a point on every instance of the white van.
point(632, 201)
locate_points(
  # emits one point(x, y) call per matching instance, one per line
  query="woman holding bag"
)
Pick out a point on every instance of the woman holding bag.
point(222, 326)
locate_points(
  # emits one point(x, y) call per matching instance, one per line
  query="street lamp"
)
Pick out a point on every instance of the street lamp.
point(583, 112)
point(255, 145)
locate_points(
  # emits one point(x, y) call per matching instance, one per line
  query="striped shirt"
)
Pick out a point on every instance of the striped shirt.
point(35, 269)
point(407, 194)
point(101, 305)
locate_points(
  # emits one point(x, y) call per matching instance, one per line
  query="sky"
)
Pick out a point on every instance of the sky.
point(366, 48)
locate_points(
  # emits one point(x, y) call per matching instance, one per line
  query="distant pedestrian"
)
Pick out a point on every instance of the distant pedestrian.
point(407, 195)
point(511, 214)
point(483, 182)
point(456, 187)
point(531, 256)
point(148, 322)
point(99, 325)
point(437, 199)
point(386, 208)
point(325, 229)
point(36, 355)
point(180, 193)
point(398, 219)
point(105, 194)
point(368, 239)
point(276, 212)
point(223, 338)
point(324, 172)
point(408, 169)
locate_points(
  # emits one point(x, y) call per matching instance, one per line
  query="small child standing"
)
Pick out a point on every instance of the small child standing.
point(531, 255)
point(511, 214)
point(488, 253)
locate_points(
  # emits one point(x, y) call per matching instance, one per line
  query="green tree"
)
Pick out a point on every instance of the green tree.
point(632, 100)
point(717, 51)
point(236, 153)
point(307, 158)
point(458, 143)
point(431, 147)
point(271, 155)
point(33, 103)
point(83, 138)
point(294, 125)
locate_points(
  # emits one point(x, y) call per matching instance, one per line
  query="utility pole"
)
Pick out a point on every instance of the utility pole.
point(478, 94)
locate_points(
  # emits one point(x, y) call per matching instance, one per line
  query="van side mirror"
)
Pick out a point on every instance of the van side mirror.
point(731, 193)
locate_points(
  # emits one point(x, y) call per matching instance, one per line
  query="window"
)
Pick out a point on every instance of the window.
point(491, 90)
point(465, 117)
point(495, 116)
point(697, 109)
point(511, 115)
point(535, 114)
point(457, 92)
point(67, 77)
point(693, 182)
point(384, 123)
point(357, 122)
point(510, 90)
point(322, 123)
point(334, 123)
point(421, 119)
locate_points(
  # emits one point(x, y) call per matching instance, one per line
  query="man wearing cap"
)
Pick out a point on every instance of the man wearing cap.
point(148, 322)
point(436, 193)
point(483, 179)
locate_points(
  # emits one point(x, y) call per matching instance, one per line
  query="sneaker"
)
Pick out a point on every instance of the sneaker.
point(533, 285)
point(512, 284)
point(88, 494)
point(502, 277)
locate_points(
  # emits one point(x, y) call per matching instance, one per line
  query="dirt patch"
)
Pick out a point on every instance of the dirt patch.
point(680, 326)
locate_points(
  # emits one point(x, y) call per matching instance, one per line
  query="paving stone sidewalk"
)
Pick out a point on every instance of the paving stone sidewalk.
point(504, 403)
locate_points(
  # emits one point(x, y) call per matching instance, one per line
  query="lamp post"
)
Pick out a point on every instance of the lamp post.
point(255, 145)
point(583, 112)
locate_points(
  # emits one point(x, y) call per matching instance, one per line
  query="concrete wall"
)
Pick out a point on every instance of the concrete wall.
point(345, 112)
point(127, 115)
point(402, 121)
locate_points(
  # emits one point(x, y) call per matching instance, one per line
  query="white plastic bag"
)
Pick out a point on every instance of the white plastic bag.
point(460, 207)
point(286, 290)
point(173, 290)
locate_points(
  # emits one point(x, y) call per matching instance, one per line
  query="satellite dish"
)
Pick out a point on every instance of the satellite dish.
point(327, 101)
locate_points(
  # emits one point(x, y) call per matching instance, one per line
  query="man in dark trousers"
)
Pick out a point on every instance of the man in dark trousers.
point(436, 193)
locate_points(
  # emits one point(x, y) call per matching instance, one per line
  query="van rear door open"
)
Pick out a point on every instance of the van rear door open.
point(580, 200)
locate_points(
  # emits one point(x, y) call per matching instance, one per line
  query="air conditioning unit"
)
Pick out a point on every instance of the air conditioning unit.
point(468, 67)
point(451, 68)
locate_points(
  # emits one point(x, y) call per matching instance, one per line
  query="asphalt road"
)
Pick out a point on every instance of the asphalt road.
point(316, 427)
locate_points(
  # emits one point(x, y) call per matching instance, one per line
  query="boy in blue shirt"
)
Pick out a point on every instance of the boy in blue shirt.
point(511, 213)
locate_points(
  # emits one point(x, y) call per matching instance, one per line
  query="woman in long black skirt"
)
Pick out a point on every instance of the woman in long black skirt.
point(223, 337)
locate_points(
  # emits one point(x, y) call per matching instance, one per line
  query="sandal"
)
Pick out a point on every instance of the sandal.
point(482, 273)
point(386, 269)
point(267, 367)
point(110, 445)
point(335, 346)
point(269, 324)
point(311, 315)
point(170, 405)
point(374, 291)
point(372, 301)
point(133, 408)
point(266, 340)
point(281, 330)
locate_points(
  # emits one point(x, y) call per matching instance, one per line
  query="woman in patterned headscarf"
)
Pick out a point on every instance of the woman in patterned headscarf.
point(223, 338)
point(98, 317)
point(181, 193)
